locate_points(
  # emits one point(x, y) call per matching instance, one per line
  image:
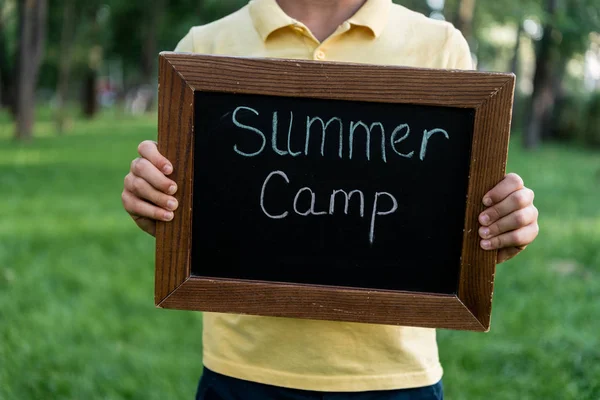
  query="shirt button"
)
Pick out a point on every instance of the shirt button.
point(320, 55)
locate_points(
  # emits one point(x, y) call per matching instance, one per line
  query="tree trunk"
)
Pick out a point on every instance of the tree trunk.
point(544, 93)
point(90, 84)
point(3, 61)
point(90, 96)
point(6, 80)
point(32, 34)
point(549, 125)
point(64, 68)
point(514, 63)
point(149, 59)
point(464, 20)
point(149, 46)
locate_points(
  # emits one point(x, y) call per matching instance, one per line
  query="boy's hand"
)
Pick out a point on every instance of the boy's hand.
point(147, 195)
point(510, 222)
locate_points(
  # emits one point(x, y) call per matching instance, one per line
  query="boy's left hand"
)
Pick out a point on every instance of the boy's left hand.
point(510, 222)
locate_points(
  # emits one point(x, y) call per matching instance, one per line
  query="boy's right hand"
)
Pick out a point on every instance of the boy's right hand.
point(148, 193)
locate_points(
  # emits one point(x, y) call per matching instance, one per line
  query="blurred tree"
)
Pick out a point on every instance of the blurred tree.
point(96, 14)
point(152, 22)
point(4, 70)
point(514, 62)
point(32, 33)
point(6, 67)
point(544, 96)
point(76, 42)
point(65, 61)
point(92, 39)
point(499, 13)
point(157, 25)
point(567, 25)
point(592, 129)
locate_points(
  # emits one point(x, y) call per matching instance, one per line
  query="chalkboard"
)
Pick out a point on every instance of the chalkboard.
point(329, 190)
point(253, 197)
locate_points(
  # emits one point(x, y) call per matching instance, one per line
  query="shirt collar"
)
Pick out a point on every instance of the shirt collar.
point(374, 14)
point(268, 17)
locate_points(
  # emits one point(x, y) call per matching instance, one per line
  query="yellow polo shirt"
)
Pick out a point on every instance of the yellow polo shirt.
point(322, 355)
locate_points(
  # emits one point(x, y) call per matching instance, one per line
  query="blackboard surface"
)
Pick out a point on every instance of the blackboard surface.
point(233, 247)
point(417, 247)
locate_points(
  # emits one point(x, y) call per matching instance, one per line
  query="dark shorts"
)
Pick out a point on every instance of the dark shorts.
point(215, 386)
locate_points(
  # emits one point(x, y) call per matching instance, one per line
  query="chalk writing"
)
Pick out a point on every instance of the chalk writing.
point(324, 126)
point(262, 195)
point(396, 131)
point(354, 125)
point(356, 133)
point(353, 129)
point(426, 135)
point(375, 212)
point(347, 197)
point(250, 128)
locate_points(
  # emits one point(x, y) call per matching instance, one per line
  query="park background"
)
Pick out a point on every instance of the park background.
point(77, 90)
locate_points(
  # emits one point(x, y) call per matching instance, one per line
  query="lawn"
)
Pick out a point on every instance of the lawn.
point(77, 319)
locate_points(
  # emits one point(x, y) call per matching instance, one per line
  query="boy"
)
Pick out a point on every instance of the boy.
point(250, 357)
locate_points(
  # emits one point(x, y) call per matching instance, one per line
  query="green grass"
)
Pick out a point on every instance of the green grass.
point(77, 319)
point(545, 337)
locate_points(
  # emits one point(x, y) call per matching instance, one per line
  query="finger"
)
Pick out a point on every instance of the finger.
point(144, 169)
point(508, 253)
point(509, 184)
point(140, 208)
point(149, 150)
point(145, 191)
point(517, 200)
point(515, 220)
point(518, 237)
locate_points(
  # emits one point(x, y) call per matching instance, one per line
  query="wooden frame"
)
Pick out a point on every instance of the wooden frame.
point(489, 94)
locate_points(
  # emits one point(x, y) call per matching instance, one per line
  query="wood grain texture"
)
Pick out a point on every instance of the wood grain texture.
point(175, 135)
point(490, 94)
point(488, 166)
point(342, 81)
point(320, 302)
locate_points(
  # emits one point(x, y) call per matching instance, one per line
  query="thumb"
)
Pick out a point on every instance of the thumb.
point(508, 253)
point(146, 224)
